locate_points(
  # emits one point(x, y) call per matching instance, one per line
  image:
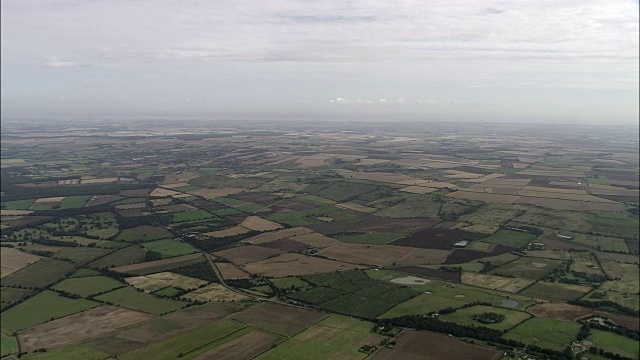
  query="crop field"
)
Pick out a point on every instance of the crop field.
point(567, 312)
point(514, 239)
point(336, 337)
point(39, 274)
point(81, 255)
point(503, 283)
point(189, 343)
point(230, 271)
point(383, 255)
point(168, 248)
point(157, 281)
point(247, 254)
point(412, 207)
point(214, 292)
point(412, 345)
point(296, 264)
point(614, 343)
point(244, 346)
point(160, 265)
point(257, 223)
point(78, 327)
point(280, 319)
point(584, 262)
point(465, 317)
point(8, 345)
point(551, 334)
point(285, 245)
point(530, 268)
point(629, 300)
point(375, 238)
point(436, 238)
point(626, 275)
point(130, 298)
point(125, 256)
point(76, 351)
point(353, 293)
point(72, 202)
point(422, 305)
point(41, 308)
point(9, 296)
point(288, 282)
point(144, 233)
point(555, 291)
point(191, 216)
point(87, 286)
point(13, 260)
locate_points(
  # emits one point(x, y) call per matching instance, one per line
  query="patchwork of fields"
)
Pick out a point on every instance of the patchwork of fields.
point(306, 244)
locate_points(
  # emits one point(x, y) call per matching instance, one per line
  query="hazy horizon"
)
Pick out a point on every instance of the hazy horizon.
point(567, 62)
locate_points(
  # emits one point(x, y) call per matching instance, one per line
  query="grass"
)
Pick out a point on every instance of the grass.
point(372, 238)
point(613, 224)
point(546, 333)
point(422, 305)
point(39, 274)
point(288, 282)
point(129, 255)
point(516, 239)
point(336, 337)
point(492, 215)
point(168, 291)
point(465, 317)
point(8, 345)
point(130, 298)
point(168, 248)
point(81, 255)
point(11, 295)
point(177, 346)
point(41, 308)
point(144, 233)
point(615, 343)
point(479, 246)
point(84, 273)
point(344, 191)
point(76, 351)
point(87, 286)
point(19, 204)
point(73, 202)
point(415, 206)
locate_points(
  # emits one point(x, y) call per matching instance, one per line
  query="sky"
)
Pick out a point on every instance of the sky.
point(548, 61)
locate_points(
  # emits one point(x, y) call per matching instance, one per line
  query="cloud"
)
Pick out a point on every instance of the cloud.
point(63, 64)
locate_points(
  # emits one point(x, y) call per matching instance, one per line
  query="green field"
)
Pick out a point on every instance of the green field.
point(41, 308)
point(87, 286)
point(613, 224)
point(336, 337)
point(494, 215)
point(617, 344)
point(73, 202)
point(480, 246)
point(516, 239)
point(77, 351)
point(546, 333)
point(422, 305)
point(167, 292)
point(191, 216)
point(555, 291)
point(412, 207)
point(18, 204)
point(186, 343)
point(81, 255)
point(39, 274)
point(352, 293)
point(372, 238)
point(130, 298)
point(288, 282)
point(8, 345)
point(526, 267)
point(10, 295)
point(144, 233)
point(84, 273)
point(129, 255)
point(465, 317)
point(169, 248)
point(343, 191)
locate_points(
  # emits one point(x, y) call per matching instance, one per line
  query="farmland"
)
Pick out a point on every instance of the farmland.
point(302, 240)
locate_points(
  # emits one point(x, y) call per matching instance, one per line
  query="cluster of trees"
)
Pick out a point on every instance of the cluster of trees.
point(605, 303)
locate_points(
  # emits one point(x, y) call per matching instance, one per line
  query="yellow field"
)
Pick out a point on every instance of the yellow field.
point(236, 230)
point(259, 224)
point(215, 193)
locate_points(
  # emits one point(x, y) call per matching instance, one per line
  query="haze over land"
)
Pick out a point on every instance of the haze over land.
point(541, 61)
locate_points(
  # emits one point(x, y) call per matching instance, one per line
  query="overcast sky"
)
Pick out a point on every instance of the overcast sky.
point(541, 60)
